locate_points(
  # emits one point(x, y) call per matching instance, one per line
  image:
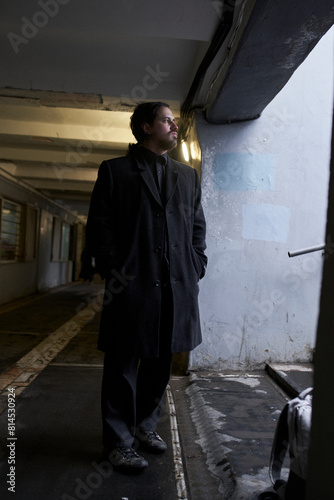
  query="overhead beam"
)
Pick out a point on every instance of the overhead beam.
point(274, 42)
point(70, 156)
point(74, 100)
point(116, 130)
point(59, 186)
point(71, 196)
point(56, 172)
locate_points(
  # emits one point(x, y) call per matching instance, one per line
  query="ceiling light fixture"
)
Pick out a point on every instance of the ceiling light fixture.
point(185, 151)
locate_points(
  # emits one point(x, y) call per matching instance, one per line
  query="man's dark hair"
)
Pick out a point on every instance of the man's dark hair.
point(144, 113)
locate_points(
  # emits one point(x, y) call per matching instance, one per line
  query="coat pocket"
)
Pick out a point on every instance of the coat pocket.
point(196, 263)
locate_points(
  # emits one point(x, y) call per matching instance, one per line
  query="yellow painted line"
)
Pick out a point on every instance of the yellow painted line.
point(177, 453)
point(25, 370)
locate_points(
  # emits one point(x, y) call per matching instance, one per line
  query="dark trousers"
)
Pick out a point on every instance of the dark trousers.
point(132, 395)
point(133, 387)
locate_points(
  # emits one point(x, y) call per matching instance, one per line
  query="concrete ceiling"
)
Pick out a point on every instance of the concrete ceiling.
point(72, 72)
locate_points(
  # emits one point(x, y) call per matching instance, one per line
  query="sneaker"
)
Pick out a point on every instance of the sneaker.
point(126, 460)
point(151, 440)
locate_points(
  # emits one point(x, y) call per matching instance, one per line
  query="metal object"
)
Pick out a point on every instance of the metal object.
point(307, 250)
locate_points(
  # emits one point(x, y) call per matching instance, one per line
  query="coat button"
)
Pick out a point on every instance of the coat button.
point(158, 249)
point(157, 283)
point(159, 214)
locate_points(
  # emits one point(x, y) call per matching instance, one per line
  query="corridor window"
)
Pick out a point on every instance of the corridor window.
point(61, 241)
point(65, 241)
point(31, 234)
point(10, 231)
point(56, 238)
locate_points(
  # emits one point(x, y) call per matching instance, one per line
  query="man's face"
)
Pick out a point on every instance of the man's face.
point(163, 131)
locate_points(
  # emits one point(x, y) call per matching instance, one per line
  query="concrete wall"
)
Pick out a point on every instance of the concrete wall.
point(265, 186)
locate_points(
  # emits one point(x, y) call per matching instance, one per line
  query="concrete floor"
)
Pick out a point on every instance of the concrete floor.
point(218, 426)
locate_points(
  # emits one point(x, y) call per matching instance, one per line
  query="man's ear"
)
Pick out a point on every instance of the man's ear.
point(146, 128)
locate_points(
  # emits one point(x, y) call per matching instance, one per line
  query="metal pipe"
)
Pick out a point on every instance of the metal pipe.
point(307, 250)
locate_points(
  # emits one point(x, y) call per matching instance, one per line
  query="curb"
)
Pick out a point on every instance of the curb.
point(284, 381)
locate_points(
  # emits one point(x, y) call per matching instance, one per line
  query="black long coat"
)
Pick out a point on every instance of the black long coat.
point(126, 233)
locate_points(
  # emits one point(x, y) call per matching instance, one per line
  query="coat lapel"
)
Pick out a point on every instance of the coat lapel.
point(147, 176)
point(171, 175)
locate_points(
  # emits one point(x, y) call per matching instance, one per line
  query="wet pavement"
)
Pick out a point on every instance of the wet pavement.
point(233, 416)
point(219, 426)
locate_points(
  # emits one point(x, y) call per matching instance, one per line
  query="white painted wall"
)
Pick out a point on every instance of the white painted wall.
point(265, 186)
point(50, 274)
point(18, 279)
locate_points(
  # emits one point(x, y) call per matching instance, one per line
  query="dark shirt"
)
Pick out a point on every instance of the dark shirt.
point(157, 165)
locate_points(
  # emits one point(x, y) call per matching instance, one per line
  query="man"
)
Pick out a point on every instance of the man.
point(146, 230)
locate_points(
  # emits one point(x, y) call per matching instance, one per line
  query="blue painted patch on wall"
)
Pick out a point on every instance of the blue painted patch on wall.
point(266, 222)
point(243, 171)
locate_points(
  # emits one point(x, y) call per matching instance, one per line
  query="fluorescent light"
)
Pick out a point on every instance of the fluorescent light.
point(185, 151)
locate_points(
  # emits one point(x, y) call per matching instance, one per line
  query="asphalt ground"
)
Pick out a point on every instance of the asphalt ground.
point(233, 417)
point(218, 426)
